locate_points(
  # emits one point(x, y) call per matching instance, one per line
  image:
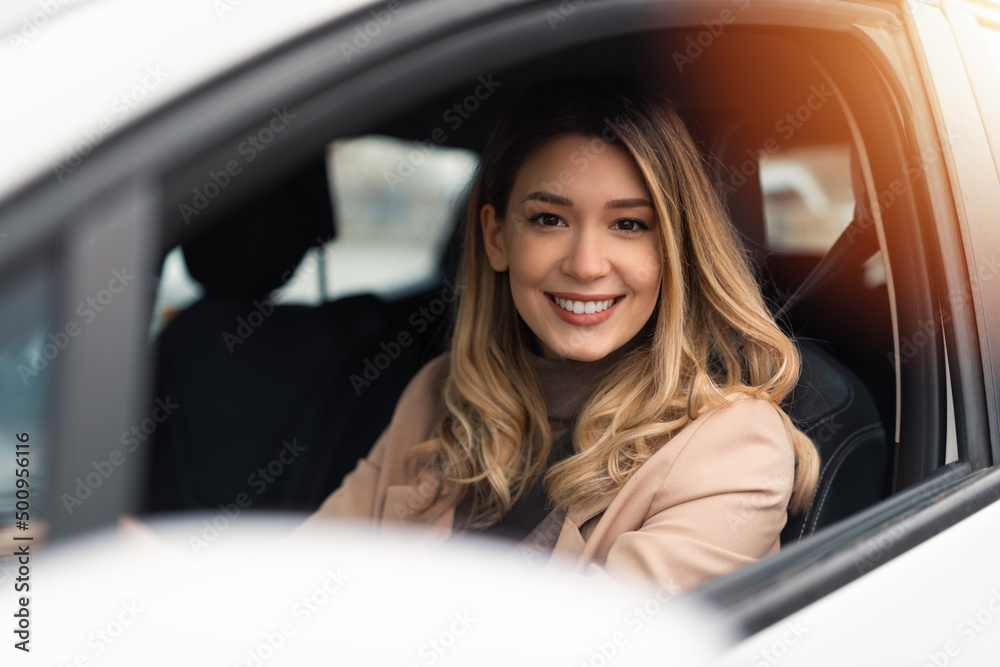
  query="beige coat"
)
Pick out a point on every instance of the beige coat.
point(710, 500)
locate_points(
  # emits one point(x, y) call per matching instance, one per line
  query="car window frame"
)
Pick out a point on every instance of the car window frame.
point(216, 114)
point(786, 594)
point(974, 181)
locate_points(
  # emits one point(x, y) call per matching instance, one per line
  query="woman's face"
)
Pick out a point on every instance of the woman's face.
point(581, 245)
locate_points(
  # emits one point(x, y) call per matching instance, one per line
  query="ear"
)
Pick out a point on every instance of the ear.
point(493, 238)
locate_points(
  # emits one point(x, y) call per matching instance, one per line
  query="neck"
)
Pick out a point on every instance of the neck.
point(567, 384)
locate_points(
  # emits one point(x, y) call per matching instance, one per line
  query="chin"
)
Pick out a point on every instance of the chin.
point(587, 353)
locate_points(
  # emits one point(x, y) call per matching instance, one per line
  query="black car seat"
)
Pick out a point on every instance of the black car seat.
point(830, 403)
point(274, 404)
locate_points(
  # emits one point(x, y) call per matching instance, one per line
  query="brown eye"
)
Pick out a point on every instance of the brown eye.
point(546, 220)
point(630, 225)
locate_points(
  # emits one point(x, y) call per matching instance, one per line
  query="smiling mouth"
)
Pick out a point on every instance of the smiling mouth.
point(584, 307)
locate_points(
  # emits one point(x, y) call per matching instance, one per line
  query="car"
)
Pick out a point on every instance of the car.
point(228, 238)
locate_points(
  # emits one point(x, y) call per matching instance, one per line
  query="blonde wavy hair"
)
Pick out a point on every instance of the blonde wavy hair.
point(713, 337)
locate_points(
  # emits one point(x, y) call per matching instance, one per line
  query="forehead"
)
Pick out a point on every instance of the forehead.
point(585, 169)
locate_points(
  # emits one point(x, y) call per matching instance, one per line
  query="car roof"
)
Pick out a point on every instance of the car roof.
point(82, 70)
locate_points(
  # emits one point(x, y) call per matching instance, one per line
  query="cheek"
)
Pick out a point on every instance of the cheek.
point(529, 262)
point(644, 272)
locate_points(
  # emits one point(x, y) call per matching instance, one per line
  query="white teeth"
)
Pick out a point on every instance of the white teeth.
point(580, 307)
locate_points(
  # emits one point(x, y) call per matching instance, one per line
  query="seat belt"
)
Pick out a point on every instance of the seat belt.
point(855, 246)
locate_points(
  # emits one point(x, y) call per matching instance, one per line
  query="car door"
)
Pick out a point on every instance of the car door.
point(925, 164)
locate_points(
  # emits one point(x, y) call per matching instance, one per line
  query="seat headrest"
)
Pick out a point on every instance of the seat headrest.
point(257, 248)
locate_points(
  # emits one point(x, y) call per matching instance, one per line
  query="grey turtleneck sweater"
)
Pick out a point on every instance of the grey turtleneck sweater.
point(566, 386)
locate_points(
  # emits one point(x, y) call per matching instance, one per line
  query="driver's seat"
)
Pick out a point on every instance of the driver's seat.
point(830, 403)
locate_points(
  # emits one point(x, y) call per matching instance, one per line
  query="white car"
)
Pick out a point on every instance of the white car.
point(227, 241)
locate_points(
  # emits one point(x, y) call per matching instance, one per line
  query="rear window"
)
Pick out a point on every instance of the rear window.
point(808, 200)
point(395, 204)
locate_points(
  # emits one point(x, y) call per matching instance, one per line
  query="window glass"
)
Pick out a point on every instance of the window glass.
point(395, 204)
point(29, 350)
point(177, 290)
point(951, 433)
point(808, 200)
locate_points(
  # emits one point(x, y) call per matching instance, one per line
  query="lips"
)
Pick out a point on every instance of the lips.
point(584, 309)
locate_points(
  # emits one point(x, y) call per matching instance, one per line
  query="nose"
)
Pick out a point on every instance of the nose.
point(586, 259)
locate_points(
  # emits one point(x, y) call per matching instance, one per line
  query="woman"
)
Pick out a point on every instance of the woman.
point(612, 388)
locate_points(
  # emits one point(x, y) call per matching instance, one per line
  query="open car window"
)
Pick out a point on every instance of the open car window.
point(292, 311)
point(395, 203)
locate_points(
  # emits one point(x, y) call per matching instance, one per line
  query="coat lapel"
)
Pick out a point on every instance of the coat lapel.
point(400, 509)
point(571, 543)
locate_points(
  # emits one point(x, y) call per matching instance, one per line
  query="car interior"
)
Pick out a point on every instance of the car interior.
point(781, 126)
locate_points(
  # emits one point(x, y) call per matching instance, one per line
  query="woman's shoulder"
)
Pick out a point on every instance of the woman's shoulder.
point(422, 397)
point(746, 411)
point(740, 447)
point(430, 379)
point(747, 425)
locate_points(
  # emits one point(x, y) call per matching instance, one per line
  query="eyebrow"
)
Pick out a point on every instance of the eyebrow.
point(550, 198)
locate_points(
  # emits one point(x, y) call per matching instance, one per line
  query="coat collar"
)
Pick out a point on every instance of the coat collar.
point(584, 512)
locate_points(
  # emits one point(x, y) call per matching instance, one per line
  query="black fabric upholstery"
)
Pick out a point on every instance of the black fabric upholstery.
point(256, 250)
point(275, 406)
point(836, 410)
point(287, 387)
point(830, 403)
